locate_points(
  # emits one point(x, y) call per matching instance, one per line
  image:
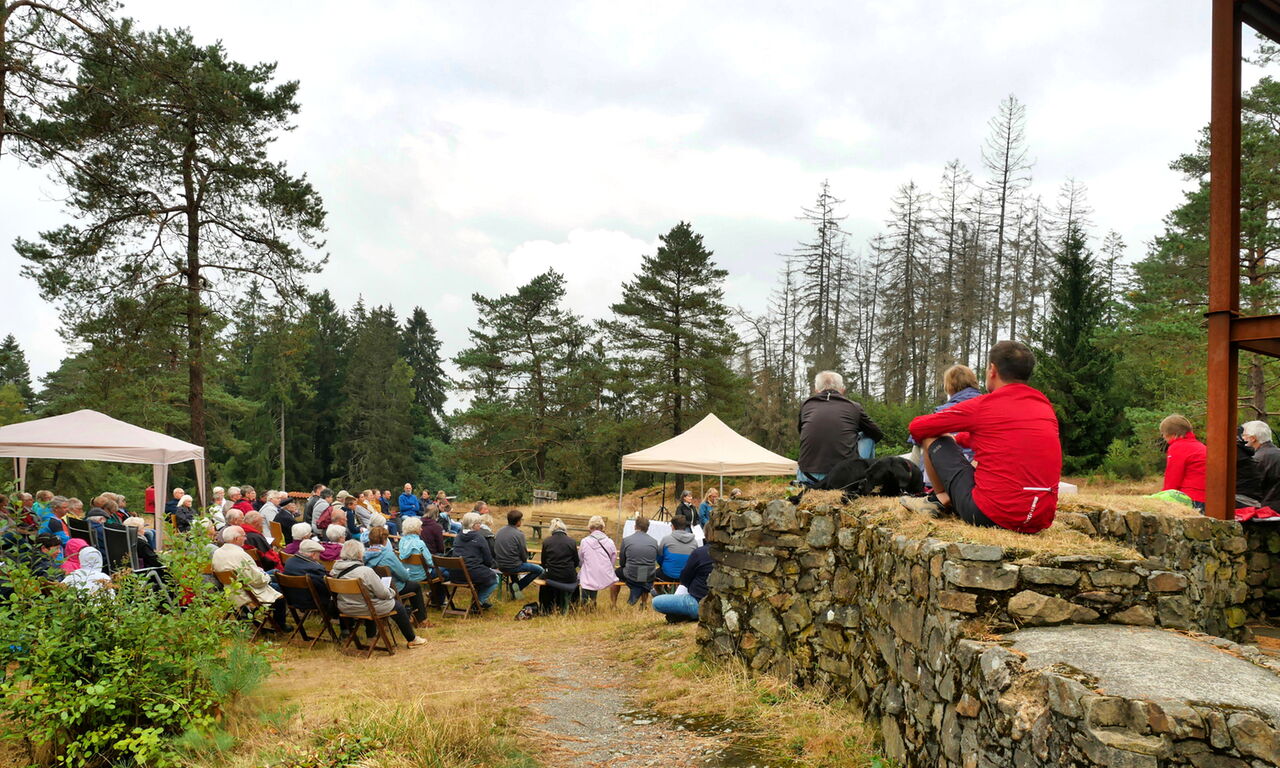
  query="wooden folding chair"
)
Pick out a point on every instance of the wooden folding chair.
point(357, 587)
point(451, 566)
point(259, 612)
point(277, 535)
point(328, 564)
point(385, 572)
point(432, 583)
point(300, 616)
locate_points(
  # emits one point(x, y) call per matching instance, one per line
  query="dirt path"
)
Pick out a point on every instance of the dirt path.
point(591, 720)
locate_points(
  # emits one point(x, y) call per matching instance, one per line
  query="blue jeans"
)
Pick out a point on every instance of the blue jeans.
point(866, 450)
point(531, 571)
point(676, 605)
point(487, 591)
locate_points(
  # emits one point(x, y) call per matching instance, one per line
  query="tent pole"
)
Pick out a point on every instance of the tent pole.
point(622, 474)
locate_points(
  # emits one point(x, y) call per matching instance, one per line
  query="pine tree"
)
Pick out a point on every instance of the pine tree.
point(14, 369)
point(375, 421)
point(822, 266)
point(420, 348)
point(672, 329)
point(906, 280)
point(325, 370)
point(163, 153)
point(522, 374)
point(1075, 370)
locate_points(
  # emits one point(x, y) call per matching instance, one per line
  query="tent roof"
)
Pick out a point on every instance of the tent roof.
point(709, 448)
point(91, 435)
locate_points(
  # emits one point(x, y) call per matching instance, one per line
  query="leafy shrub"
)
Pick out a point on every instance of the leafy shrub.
point(109, 678)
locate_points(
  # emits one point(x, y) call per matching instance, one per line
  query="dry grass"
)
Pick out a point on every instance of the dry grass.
point(1058, 539)
point(782, 720)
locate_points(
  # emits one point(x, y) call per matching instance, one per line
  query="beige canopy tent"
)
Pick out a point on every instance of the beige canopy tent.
point(709, 447)
point(89, 435)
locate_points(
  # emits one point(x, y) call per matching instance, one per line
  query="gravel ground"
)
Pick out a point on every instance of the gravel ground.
point(590, 721)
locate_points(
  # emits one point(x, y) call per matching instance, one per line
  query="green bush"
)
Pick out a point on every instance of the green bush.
point(111, 678)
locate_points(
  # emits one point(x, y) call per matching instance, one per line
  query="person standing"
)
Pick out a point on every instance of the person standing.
point(686, 507)
point(832, 428)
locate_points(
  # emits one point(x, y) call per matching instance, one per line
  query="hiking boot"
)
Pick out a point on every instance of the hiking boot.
point(929, 505)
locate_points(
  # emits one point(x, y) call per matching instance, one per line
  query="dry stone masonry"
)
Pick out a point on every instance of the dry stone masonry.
point(950, 646)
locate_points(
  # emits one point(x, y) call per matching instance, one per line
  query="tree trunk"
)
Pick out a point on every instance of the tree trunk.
point(195, 310)
point(282, 485)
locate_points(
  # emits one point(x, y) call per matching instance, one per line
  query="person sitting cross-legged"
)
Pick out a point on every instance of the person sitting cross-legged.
point(683, 605)
point(511, 553)
point(1013, 432)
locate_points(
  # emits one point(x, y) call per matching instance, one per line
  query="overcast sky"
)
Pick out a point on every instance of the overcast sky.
point(467, 146)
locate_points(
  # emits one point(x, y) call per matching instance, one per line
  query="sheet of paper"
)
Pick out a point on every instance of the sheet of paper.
point(659, 530)
point(386, 582)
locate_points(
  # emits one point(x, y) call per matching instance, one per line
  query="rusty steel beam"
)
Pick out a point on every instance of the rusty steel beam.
point(1256, 328)
point(1269, 347)
point(1224, 262)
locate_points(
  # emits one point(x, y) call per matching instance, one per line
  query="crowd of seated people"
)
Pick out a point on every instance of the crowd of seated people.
point(254, 538)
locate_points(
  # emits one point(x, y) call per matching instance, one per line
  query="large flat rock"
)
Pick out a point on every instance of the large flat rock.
point(1150, 664)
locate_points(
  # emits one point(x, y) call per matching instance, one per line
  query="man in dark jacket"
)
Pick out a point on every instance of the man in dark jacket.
point(473, 548)
point(511, 552)
point(832, 429)
point(560, 558)
point(1266, 457)
point(312, 501)
point(638, 561)
point(683, 605)
point(305, 563)
point(285, 509)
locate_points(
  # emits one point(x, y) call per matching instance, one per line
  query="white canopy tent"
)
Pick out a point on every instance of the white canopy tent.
point(89, 435)
point(709, 447)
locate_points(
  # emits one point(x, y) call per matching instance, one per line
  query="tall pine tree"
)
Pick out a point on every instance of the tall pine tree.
point(15, 371)
point(375, 421)
point(672, 330)
point(420, 348)
point(1075, 370)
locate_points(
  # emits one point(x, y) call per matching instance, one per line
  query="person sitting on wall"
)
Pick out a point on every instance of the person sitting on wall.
point(960, 384)
point(1013, 432)
point(684, 604)
point(832, 428)
point(1266, 458)
point(1184, 468)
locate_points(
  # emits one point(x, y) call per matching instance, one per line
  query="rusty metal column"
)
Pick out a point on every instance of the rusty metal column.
point(1224, 259)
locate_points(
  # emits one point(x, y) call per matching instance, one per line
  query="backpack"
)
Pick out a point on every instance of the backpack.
point(528, 611)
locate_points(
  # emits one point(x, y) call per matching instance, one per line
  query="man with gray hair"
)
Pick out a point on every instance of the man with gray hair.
point(53, 523)
point(832, 428)
point(1266, 457)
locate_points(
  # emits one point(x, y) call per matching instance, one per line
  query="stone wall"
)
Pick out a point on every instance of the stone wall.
point(911, 629)
point(1263, 568)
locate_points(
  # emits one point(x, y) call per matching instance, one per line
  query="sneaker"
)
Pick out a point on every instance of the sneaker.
point(929, 505)
point(517, 594)
point(417, 642)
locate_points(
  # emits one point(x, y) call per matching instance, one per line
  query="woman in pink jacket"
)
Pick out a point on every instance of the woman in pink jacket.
point(596, 553)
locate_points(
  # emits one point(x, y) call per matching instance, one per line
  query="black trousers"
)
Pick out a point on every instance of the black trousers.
point(400, 617)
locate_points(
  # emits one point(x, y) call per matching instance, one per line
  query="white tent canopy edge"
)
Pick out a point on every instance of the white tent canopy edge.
point(709, 447)
point(88, 435)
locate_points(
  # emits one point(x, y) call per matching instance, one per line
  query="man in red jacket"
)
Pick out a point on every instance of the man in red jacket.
point(1013, 432)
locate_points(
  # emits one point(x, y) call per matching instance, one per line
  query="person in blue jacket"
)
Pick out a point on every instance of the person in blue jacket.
point(684, 604)
point(51, 522)
point(409, 504)
point(961, 384)
point(708, 504)
point(675, 548)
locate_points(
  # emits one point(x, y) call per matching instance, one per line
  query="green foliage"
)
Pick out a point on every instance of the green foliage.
point(1074, 370)
point(109, 678)
point(14, 370)
point(375, 422)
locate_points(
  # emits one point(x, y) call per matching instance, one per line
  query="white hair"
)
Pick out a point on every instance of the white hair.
point(470, 520)
point(219, 490)
point(353, 550)
point(828, 380)
point(411, 525)
point(185, 500)
point(376, 520)
point(234, 489)
point(231, 532)
point(335, 532)
point(135, 522)
point(1258, 429)
point(558, 525)
point(596, 523)
point(234, 516)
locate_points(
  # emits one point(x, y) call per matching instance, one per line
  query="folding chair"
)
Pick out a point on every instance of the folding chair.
point(450, 566)
point(385, 572)
point(433, 582)
point(357, 587)
point(277, 536)
point(304, 584)
point(259, 612)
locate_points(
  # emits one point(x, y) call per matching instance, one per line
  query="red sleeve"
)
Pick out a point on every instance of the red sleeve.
point(962, 439)
point(1175, 467)
point(958, 418)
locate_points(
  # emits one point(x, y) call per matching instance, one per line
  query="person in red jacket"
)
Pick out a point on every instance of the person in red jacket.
point(1184, 467)
point(1017, 456)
